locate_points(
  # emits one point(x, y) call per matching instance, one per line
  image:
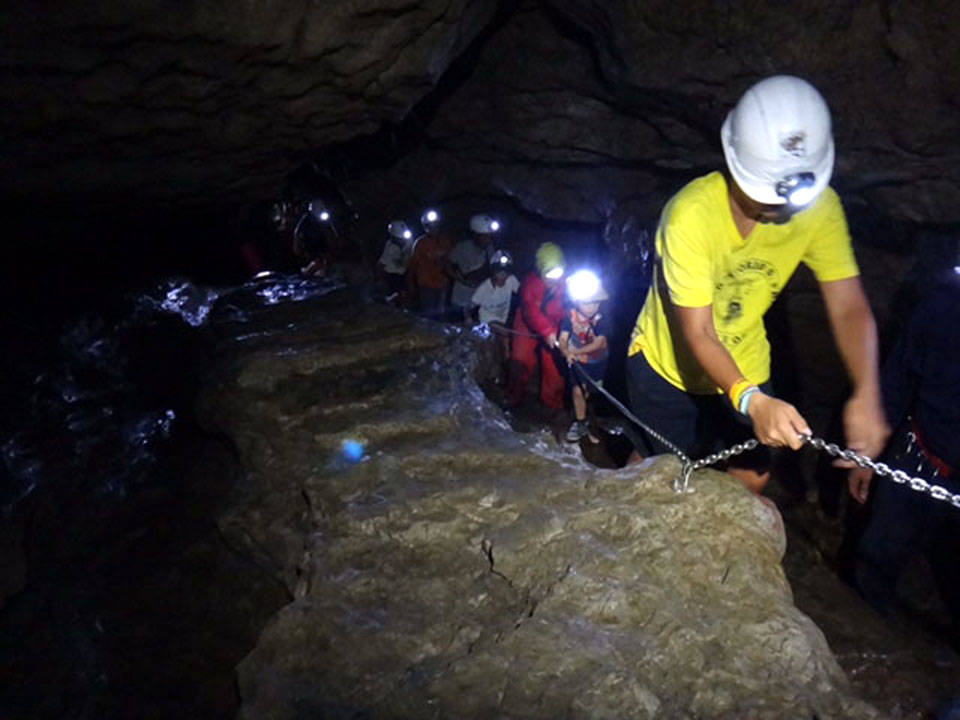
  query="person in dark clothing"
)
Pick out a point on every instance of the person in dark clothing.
point(310, 238)
point(921, 393)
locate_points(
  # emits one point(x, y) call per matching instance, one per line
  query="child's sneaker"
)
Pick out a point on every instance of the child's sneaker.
point(577, 430)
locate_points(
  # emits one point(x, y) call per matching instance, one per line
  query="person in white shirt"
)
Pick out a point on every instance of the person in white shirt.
point(468, 261)
point(395, 258)
point(493, 299)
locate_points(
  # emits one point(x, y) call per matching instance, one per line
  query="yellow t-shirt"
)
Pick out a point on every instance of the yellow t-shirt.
point(705, 261)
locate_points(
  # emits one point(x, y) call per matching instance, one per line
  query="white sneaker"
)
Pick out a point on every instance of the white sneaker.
point(577, 430)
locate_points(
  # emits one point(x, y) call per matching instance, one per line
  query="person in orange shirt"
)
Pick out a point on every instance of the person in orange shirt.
point(428, 275)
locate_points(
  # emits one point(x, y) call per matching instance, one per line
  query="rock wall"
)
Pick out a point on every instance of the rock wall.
point(454, 568)
point(571, 108)
point(577, 109)
point(202, 102)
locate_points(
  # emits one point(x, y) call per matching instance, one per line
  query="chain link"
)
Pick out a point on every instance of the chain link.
point(682, 482)
point(898, 476)
point(684, 458)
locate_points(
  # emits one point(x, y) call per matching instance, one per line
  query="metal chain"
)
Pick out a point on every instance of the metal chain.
point(682, 483)
point(633, 418)
point(898, 476)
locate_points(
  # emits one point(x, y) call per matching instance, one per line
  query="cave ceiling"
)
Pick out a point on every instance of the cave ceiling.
point(572, 109)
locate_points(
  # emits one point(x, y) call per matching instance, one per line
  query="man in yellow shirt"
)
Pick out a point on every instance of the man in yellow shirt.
point(699, 362)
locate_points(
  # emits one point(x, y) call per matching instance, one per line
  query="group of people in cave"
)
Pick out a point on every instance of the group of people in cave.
point(698, 360)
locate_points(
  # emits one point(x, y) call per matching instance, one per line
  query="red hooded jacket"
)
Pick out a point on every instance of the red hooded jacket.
point(541, 309)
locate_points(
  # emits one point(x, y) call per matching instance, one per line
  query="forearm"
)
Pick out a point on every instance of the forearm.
point(855, 333)
point(714, 358)
point(774, 421)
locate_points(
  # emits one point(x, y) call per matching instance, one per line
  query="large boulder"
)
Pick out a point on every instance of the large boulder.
point(443, 565)
point(204, 102)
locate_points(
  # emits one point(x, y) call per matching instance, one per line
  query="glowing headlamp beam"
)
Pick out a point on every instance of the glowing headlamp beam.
point(583, 285)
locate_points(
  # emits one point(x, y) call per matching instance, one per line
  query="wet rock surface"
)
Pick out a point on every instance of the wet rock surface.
point(364, 533)
point(456, 568)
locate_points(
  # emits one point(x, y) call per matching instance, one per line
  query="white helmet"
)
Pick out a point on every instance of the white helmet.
point(484, 224)
point(429, 219)
point(501, 260)
point(586, 286)
point(778, 143)
point(399, 230)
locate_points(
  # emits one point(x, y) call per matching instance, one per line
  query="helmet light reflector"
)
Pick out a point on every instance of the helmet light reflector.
point(798, 189)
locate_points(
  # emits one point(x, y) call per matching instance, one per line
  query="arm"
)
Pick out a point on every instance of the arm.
point(531, 296)
point(774, 422)
point(598, 343)
point(564, 343)
point(898, 382)
point(855, 333)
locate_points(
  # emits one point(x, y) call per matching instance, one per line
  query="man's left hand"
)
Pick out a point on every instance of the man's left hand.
point(865, 427)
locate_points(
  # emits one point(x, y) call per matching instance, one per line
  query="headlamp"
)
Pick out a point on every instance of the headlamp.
point(407, 234)
point(318, 211)
point(504, 261)
point(797, 188)
point(583, 285)
point(494, 225)
point(431, 216)
point(554, 273)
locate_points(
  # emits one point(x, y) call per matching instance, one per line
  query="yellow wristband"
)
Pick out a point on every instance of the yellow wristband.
point(736, 390)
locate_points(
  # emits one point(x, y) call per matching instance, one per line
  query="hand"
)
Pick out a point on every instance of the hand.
point(552, 340)
point(858, 480)
point(775, 422)
point(865, 428)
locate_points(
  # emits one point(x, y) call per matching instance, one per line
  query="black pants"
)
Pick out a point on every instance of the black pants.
point(697, 424)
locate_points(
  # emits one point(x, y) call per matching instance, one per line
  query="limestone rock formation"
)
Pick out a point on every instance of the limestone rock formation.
point(570, 108)
point(443, 565)
point(577, 107)
point(205, 102)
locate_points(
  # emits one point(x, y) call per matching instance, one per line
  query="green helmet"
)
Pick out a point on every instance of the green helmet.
point(549, 258)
